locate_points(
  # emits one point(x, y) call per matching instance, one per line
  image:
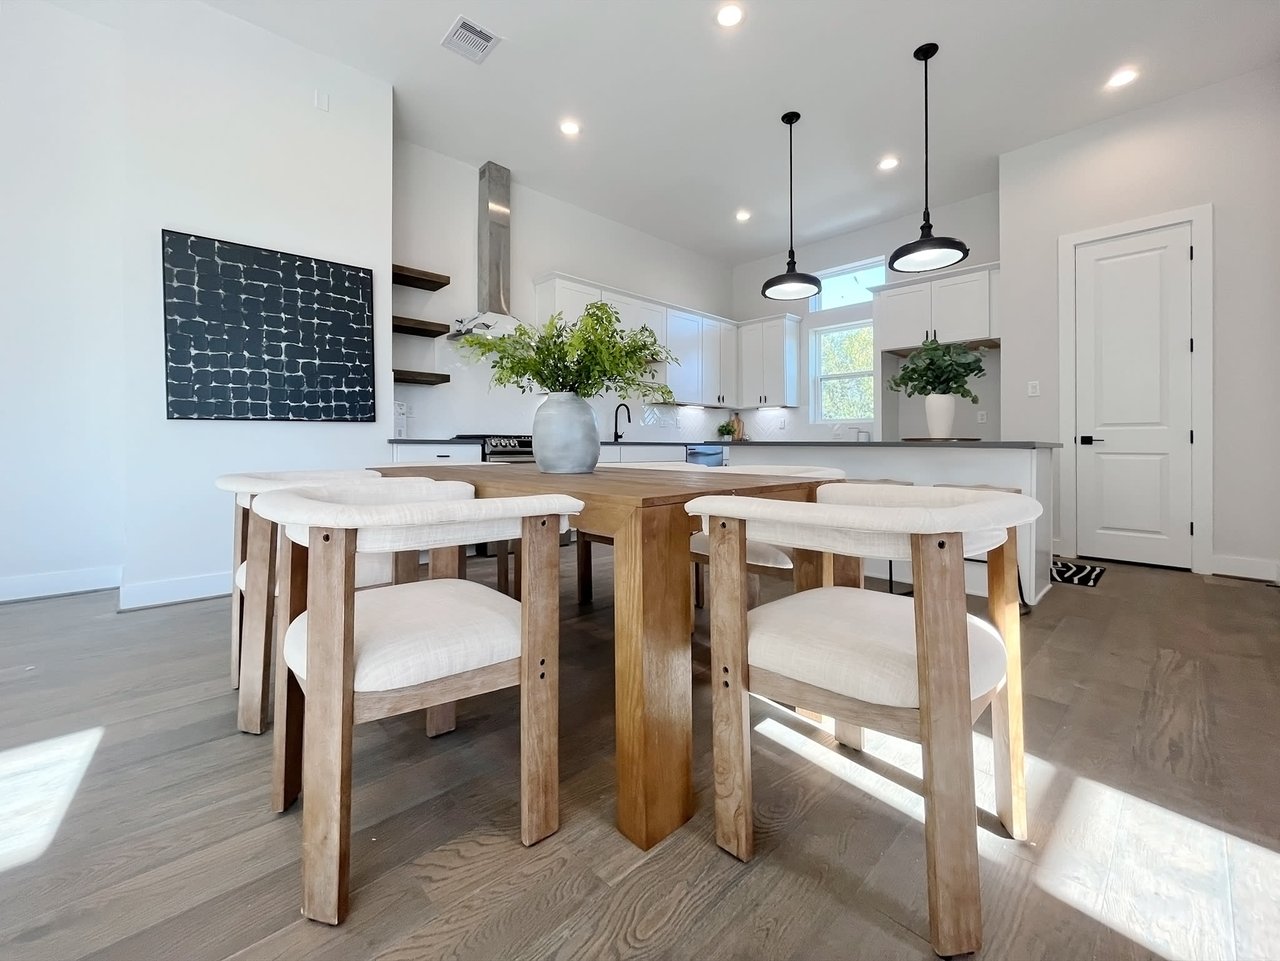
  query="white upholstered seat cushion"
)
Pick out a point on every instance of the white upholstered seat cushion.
point(859, 643)
point(371, 569)
point(758, 553)
point(413, 633)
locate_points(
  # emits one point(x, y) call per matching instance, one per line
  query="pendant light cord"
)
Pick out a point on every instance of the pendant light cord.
point(926, 141)
point(791, 196)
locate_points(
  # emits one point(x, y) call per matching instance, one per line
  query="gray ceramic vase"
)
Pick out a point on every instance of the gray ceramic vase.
point(566, 439)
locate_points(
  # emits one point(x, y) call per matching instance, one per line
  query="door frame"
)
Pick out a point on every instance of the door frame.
point(1201, 220)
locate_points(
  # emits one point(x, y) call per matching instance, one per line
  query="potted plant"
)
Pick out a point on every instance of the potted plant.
point(941, 373)
point(572, 362)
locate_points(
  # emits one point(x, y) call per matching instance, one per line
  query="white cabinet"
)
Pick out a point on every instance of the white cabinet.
point(635, 314)
point(559, 294)
point(719, 363)
point(648, 453)
point(436, 453)
point(953, 308)
point(684, 338)
point(903, 316)
point(769, 367)
point(962, 307)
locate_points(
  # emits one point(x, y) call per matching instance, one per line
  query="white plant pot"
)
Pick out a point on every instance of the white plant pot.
point(566, 438)
point(940, 412)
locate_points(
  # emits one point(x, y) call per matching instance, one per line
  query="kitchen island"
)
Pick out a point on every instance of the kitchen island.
point(1025, 465)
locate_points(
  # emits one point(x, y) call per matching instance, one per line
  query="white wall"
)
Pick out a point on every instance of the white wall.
point(212, 122)
point(435, 228)
point(1219, 145)
point(60, 306)
point(975, 220)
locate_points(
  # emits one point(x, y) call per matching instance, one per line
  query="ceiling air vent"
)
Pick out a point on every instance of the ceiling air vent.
point(469, 40)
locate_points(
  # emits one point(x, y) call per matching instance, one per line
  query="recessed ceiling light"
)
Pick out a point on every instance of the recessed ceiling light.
point(743, 216)
point(730, 15)
point(569, 128)
point(1122, 77)
point(887, 162)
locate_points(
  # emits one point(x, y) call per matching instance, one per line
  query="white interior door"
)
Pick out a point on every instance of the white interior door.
point(1133, 397)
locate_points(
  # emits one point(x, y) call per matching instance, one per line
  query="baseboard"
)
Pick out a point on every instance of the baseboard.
point(1255, 568)
point(24, 586)
point(172, 590)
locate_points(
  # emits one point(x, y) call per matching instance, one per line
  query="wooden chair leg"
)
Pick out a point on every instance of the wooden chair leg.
point(255, 637)
point(240, 529)
point(585, 592)
point(445, 562)
point(517, 572)
point(286, 764)
point(730, 699)
point(1006, 707)
point(502, 554)
point(326, 746)
point(540, 681)
point(753, 591)
point(946, 736)
point(699, 587)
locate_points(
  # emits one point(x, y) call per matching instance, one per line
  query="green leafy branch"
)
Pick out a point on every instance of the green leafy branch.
point(592, 355)
point(934, 368)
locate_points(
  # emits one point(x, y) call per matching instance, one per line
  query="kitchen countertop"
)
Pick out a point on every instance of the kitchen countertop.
point(931, 445)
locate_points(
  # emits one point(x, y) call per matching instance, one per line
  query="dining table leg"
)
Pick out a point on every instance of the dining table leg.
point(654, 673)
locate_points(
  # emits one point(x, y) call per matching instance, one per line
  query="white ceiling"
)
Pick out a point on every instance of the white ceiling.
point(680, 117)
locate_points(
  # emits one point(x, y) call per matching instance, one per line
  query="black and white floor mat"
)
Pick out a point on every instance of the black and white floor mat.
point(1082, 575)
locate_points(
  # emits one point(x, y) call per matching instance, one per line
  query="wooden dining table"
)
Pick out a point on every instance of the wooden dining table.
point(643, 512)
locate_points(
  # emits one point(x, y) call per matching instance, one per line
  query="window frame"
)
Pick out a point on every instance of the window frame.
point(817, 378)
point(854, 267)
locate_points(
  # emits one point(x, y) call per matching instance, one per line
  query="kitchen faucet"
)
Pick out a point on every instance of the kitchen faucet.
point(617, 434)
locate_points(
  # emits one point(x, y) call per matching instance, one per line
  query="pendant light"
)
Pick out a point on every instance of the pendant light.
point(792, 285)
point(929, 252)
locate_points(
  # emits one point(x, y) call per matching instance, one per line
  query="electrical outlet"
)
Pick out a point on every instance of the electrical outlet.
point(1033, 388)
point(982, 417)
point(782, 423)
point(322, 101)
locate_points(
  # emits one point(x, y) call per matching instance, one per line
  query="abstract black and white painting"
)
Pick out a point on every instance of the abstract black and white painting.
point(255, 334)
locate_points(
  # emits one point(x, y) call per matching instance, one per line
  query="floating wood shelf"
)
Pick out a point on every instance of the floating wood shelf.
point(425, 377)
point(419, 328)
point(422, 279)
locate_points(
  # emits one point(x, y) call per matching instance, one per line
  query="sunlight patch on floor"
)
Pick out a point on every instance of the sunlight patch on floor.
point(37, 783)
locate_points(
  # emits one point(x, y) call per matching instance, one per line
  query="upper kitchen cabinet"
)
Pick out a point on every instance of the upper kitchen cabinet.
point(719, 363)
point(635, 314)
point(769, 362)
point(684, 338)
point(561, 294)
point(956, 307)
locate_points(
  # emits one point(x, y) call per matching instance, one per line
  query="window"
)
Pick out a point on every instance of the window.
point(843, 382)
point(845, 286)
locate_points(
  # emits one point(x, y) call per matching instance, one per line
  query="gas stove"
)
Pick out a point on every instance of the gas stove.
point(503, 448)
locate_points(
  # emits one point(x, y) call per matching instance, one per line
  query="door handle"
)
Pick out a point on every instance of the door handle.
point(1088, 439)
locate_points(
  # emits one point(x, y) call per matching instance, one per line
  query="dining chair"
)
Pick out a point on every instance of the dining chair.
point(762, 559)
point(253, 586)
point(349, 657)
point(920, 668)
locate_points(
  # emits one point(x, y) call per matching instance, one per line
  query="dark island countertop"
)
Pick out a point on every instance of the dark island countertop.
point(923, 445)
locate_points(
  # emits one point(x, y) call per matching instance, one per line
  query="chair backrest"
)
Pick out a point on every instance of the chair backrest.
point(658, 465)
point(408, 513)
point(786, 470)
point(879, 480)
point(874, 520)
point(248, 486)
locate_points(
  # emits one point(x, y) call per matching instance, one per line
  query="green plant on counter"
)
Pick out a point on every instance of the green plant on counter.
point(726, 429)
point(592, 355)
point(934, 368)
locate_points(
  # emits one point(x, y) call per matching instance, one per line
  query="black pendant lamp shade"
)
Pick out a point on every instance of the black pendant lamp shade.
point(929, 252)
point(792, 285)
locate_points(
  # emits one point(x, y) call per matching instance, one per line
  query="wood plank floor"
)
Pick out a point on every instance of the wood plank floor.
point(1152, 729)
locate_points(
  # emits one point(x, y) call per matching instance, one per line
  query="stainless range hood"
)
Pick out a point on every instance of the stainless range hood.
point(493, 263)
